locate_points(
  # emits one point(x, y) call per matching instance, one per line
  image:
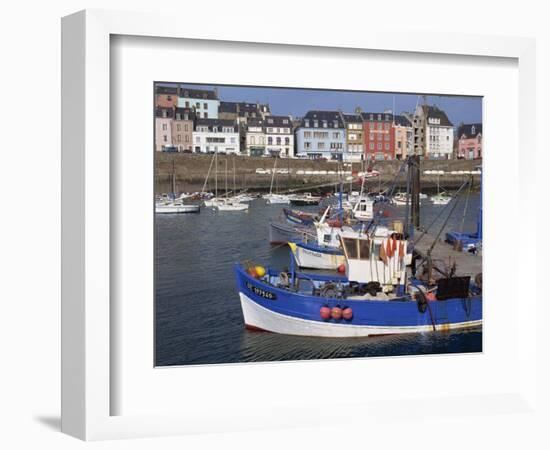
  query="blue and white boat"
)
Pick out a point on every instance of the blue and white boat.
point(375, 297)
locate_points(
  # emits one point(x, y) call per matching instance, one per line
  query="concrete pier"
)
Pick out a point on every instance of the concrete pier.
point(190, 172)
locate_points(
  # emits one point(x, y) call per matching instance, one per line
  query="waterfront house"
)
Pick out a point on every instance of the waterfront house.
point(433, 133)
point(216, 135)
point(321, 134)
point(182, 129)
point(163, 129)
point(255, 137)
point(204, 102)
point(279, 136)
point(379, 136)
point(242, 110)
point(403, 130)
point(166, 97)
point(354, 137)
point(470, 141)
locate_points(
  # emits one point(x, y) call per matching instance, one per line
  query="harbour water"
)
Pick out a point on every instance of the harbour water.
point(198, 319)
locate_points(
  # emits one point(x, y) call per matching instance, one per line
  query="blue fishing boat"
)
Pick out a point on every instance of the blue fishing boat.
point(385, 285)
point(375, 296)
point(299, 217)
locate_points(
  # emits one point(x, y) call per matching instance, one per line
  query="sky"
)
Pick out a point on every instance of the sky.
point(297, 102)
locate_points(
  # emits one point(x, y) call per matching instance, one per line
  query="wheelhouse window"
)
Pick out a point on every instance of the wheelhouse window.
point(364, 248)
point(351, 248)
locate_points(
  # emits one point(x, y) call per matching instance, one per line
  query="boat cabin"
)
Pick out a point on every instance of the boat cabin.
point(381, 257)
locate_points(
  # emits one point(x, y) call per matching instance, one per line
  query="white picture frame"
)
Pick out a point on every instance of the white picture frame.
point(87, 385)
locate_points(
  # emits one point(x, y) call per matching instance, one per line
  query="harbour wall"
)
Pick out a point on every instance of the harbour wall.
point(190, 172)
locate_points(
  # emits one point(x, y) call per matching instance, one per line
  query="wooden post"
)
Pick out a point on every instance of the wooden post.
point(415, 194)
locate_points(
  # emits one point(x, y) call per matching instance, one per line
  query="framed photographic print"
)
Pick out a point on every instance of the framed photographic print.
point(241, 246)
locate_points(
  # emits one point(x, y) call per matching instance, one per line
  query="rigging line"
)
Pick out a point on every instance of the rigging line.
point(444, 223)
point(453, 201)
point(466, 205)
point(376, 219)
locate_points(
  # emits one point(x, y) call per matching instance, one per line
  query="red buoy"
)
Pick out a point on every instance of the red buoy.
point(347, 313)
point(252, 272)
point(336, 313)
point(325, 312)
point(430, 296)
point(342, 268)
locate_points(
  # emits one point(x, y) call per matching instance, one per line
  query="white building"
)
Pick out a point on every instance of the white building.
point(436, 132)
point(213, 135)
point(205, 103)
point(255, 137)
point(279, 136)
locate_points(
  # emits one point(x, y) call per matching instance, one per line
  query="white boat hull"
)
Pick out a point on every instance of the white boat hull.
point(311, 259)
point(177, 209)
point(258, 317)
point(277, 200)
point(233, 207)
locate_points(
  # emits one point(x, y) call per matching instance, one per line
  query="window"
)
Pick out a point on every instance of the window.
point(198, 140)
point(270, 130)
point(178, 127)
point(371, 136)
point(335, 124)
point(205, 105)
point(315, 123)
point(379, 125)
point(187, 104)
point(307, 145)
point(387, 126)
point(371, 146)
point(164, 127)
point(165, 138)
point(307, 134)
point(325, 124)
point(206, 115)
point(287, 141)
point(387, 137)
point(198, 105)
point(387, 146)
point(351, 247)
point(306, 123)
point(278, 141)
point(187, 138)
point(336, 135)
point(379, 146)
point(269, 140)
point(252, 140)
point(364, 248)
point(186, 127)
point(320, 145)
point(179, 137)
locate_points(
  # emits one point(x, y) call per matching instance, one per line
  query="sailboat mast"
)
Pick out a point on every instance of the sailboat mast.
point(226, 177)
point(174, 176)
point(272, 177)
point(216, 173)
point(234, 183)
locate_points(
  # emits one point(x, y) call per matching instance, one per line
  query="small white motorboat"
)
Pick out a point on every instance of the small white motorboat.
point(232, 206)
point(276, 199)
point(176, 208)
point(441, 199)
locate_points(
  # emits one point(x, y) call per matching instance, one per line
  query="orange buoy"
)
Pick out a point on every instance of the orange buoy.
point(336, 313)
point(252, 272)
point(430, 296)
point(325, 312)
point(342, 268)
point(347, 313)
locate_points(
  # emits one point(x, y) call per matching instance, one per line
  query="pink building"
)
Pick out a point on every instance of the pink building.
point(470, 141)
point(164, 118)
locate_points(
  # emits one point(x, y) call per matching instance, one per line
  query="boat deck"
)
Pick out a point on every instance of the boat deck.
point(466, 263)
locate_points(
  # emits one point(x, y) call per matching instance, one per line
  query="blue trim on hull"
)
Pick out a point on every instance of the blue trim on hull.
point(318, 248)
point(381, 313)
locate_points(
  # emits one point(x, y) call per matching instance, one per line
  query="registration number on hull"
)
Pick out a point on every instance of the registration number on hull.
point(261, 292)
